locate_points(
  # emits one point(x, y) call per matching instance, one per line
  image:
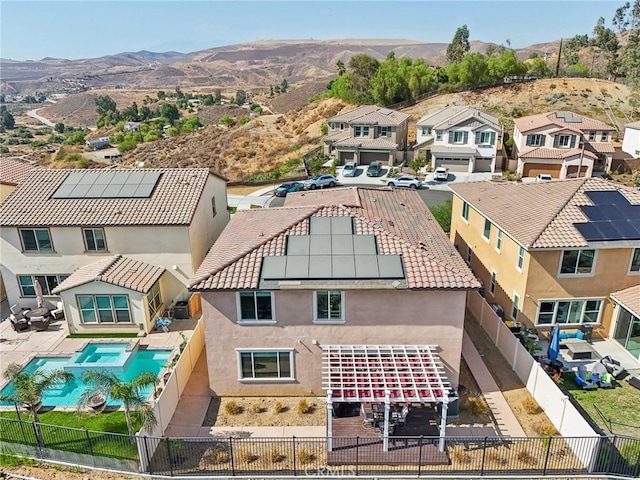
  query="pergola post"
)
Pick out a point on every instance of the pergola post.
point(443, 422)
point(329, 420)
point(387, 408)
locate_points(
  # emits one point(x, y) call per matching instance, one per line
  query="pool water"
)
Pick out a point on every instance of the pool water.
point(67, 395)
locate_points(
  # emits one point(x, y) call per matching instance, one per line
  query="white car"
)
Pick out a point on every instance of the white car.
point(349, 169)
point(404, 181)
point(543, 177)
point(324, 180)
point(441, 174)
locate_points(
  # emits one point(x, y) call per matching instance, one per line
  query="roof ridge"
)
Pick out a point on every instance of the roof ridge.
point(562, 207)
point(202, 277)
point(103, 270)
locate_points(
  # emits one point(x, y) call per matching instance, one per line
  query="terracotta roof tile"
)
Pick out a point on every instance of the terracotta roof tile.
point(629, 298)
point(381, 143)
point(172, 202)
point(601, 147)
point(399, 219)
point(534, 122)
point(118, 270)
point(372, 115)
point(538, 215)
point(554, 153)
point(12, 171)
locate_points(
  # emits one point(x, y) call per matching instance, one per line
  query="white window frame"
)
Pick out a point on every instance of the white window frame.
point(537, 140)
point(575, 272)
point(499, 240)
point(564, 141)
point(290, 351)
point(485, 138)
point(384, 131)
point(457, 140)
point(557, 301)
point(605, 137)
point(520, 260)
point(486, 234)
point(97, 310)
point(592, 135)
point(492, 283)
point(438, 135)
point(244, 321)
point(342, 318)
point(93, 233)
point(60, 277)
point(465, 211)
point(426, 130)
point(515, 306)
point(361, 131)
point(38, 249)
point(634, 252)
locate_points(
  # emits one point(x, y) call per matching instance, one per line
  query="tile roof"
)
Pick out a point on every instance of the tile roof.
point(629, 298)
point(12, 171)
point(117, 270)
point(337, 136)
point(553, 153)
point(534, 122)
point(601, 147)
point(399, 219)
point(538, 215)
point(376, 143)
point(172, 202)
point(460, 150)
point(371, 115)
point(454, 115)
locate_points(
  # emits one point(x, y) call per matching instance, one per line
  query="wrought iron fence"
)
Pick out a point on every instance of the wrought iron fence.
point(279, 457)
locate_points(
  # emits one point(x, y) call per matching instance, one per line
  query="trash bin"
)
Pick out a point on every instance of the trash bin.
point(181, 310)
point(588, 332)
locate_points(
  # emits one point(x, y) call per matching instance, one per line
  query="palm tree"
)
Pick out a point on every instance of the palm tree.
point(129, 393)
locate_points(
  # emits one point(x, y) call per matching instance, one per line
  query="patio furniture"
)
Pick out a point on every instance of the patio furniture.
point(368, 419)
point(39, 323)
point(580, 350)
point(37, 312)
point(18, 311)
point(18, 325)
point(163, 323)
point(613, 366)
point(58, 312)
point(634, 381)
point(581, 379)
point(400, 417)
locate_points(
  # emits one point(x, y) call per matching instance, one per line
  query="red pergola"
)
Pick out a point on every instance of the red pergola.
point(384, 374)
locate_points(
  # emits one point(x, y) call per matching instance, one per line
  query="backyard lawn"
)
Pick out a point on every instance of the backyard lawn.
point(619, 405)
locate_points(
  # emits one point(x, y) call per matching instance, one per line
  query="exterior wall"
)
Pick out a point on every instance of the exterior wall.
point(399, 135)
point(486, 259)
point(631, 142)
point(137, 306)
point(373, 317)
point(163, 246)
point(587, 163)
point(205, 228)
point(5, 190)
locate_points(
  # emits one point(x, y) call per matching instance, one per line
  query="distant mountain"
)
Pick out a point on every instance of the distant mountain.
point(257, 64)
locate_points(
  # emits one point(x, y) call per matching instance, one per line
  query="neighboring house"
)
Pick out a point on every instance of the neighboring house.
point(631, 140)
point(332, 270)
point(460, 138)
point(12, 172)
point(117, 245)
point(131, 126)
point(551, 252)
point(560, 144)
point(367, 134)
point(98, 143)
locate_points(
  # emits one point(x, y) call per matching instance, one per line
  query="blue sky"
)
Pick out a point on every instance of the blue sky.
point(91, 28)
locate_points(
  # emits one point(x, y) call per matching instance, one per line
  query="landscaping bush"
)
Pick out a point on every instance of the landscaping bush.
point(232, 408)
point(275, 456)
point(256, 407)
point(304, 407)
point(249, 457)
point(477, 406)
point(221, 457)
point(305, 456)
point(525, 457)
point(531, 406)
point(278, 407)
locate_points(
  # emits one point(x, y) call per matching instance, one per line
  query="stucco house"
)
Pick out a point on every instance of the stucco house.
point(460, 138)
point(631, 140)
point(562, 144)
point(116, 245)
point(334, 274)
point(367, 134)
point(553, 252)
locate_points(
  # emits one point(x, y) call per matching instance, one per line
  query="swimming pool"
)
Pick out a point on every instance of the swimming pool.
point(141, 360)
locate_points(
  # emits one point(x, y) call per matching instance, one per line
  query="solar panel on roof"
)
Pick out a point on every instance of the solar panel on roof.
point(95, 191)
point(607, 197)
point(320, 244)
point(320, 266)
point(297, 267)
point(627, 230)
point(366, 266)
point(342, 244)
point(319, 225)
point(73, 178)
point(343, 266)
point(612, 217)
point(274, 267)
point(80, 190)
point(144, 190)
point(298, 245)
point(341, 226)
point(115, 185)
point(390, 266)
point(364, 244)
point(128, 191)
point(111, 191)
point(589, 231)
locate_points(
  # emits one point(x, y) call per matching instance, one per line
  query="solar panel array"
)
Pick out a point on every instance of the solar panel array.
point(611, 217)
point(108, 184)
point(331, 251)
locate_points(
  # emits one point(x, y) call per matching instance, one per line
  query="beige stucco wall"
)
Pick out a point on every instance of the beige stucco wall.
point(5, 190)
point(373, 317)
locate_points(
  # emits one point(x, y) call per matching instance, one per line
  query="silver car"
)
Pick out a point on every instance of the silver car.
point(349, 169)
point(404, 181)
point(319, 181)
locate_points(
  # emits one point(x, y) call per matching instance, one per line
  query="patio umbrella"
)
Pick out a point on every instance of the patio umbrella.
point(554, 343)
point(39, 295)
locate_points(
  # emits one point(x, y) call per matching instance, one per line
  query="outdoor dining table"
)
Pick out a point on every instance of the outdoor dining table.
point(37, 312)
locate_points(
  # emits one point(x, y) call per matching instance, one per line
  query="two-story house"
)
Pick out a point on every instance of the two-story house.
point(631, 140)
point(460, 138)
point(117, 245)
point(367, 134)
point(552, 252)
point(337, 273)
point(562, 144)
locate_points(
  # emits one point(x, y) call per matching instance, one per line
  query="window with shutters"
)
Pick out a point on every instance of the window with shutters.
point(438, 134)
point(536, 140)
point(592, 135)
point(426, 130)
point(564, 141)
point(605, 136)
point(456, 137)
point(485, 138)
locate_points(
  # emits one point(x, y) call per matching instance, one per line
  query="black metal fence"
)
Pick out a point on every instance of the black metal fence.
point(297, 456)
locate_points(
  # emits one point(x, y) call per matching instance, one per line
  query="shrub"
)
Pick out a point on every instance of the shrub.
point(324, 128)
point(531, 406)
point(305, 456)
point(278, 407)
point(545, 429)
point(249, 457)
point(495, 457)
point(232, 408)
point(275, 456)
point(417, 163)
point(459, 454)
point(525, 457)
point(256, 407)
point(82, 163)
point(221, 457)
point(477, 406)
point(304, 407)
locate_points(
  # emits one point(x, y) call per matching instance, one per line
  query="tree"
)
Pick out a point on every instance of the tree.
point(170, 112)
point(129, 393)
point(538, 67)
point(340, 68)
point(572, 48)
point(6, 119)
point(226, 120)
point(284, 85)
point(360, 71)
point(131, 113)
point(104, 105)
point(217, 96)
point(627, 21)
point(459, 46)
point(604, 40)
point(28, 389)
point(59, 127)
point(473, 69)
point(241, 97)
point(505, 65)
point(442, 213)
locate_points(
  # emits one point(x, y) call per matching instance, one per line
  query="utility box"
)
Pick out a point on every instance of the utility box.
point(181, 310)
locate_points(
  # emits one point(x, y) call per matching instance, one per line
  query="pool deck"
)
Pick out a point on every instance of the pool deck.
point(20, 347)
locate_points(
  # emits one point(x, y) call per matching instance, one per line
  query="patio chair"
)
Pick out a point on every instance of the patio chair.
point(17, 311)
point(19, 325)
point(368, 420)
point(581, 379)
point(58, 312)
point(613, 366)
point(39, 323)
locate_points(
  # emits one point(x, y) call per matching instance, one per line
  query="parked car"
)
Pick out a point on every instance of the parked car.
point(324, 180)
point(288, 187)
point(543, 177)
point(374, 169)
point(404, 181)
point(441, 174)
point(349, 169)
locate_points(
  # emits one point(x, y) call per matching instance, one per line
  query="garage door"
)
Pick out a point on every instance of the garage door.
point(482, 165)
point(572, 171)
point(367, 157)
point(533, 169)
point(453, 164)
point(345, 157)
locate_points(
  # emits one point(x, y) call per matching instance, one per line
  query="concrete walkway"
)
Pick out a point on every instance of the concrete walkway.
point(506, 421)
